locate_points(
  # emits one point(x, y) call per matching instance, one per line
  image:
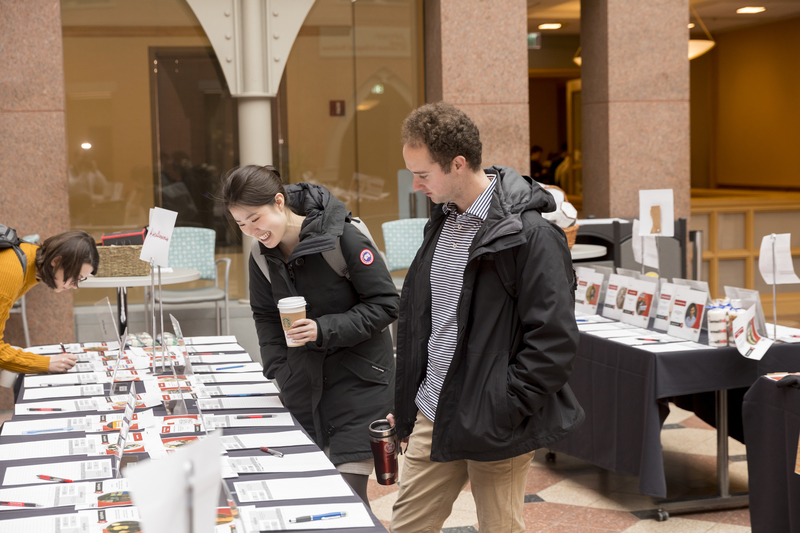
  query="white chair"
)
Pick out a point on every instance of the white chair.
point(194, 248)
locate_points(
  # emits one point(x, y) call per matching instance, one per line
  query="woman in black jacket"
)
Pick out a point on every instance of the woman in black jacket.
point(342, 378)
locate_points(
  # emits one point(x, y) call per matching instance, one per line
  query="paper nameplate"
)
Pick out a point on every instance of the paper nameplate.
point(615, 296)
point(664, 307)
point(638, 302)
point(749, 343)
point(587, 295)
point(687, 313)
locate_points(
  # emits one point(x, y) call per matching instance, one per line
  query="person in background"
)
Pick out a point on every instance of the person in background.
point(60, 262)
point(342, 377)
point(537, 170)
point(487, 332)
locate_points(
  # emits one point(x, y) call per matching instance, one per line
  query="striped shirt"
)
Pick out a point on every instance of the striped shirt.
point(447, 276)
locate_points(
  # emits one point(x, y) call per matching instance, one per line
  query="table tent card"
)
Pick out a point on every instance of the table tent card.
point(782, 270)
point(664, 307)
point(615, 295)
point(587, 295)
point(748, 341)
point(156, 245)
point(656, 213)
point(638, 302)
point(687, 313)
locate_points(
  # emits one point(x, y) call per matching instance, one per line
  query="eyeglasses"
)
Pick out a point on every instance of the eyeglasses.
point(74, 283)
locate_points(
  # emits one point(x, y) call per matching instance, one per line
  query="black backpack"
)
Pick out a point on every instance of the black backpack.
point(9, 239)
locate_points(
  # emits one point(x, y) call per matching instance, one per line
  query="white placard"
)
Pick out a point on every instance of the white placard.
point(74, 471)
point(687, 313)
point(354, 515)
point(615, 295)
point(159, 235)
point(656, 213)
point(638, 303)
point(748, 341)
point(664, 307)
point(783, 259)
point(292, 488)
point(587, 296)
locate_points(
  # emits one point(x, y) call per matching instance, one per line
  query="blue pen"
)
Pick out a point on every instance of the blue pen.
point(317, 517)
point(228, 367)
point(35, 431)
point(581, 320)
point(249, 394)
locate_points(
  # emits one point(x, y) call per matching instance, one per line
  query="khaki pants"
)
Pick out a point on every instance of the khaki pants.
point(428, 489)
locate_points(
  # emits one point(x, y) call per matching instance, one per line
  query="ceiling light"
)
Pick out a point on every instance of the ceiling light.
point(550, 26)
point(86, 146)
point(577, 57)
point(750, 10)
point(698, 47)
point(691, 25)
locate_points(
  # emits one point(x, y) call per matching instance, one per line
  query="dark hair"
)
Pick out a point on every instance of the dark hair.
point(447, 132)
point(251, 185)
point(69, 251)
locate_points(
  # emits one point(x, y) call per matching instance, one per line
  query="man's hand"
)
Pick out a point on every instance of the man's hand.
point(303, 331)
point(390, 418)
point(62, 362)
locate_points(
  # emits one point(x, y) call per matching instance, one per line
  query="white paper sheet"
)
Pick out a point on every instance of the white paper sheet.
point(61, 523)
point(74, 470)
point(231, 421)
point(221, 339)
point(587, 296)
point(244, 377)
point(64, 379)
point(296, 462)
point(270, 440)
point(292, 489)
point(62, 392)
point(749, 342)
point(224, 390)
point(638, 303)
point(278, 518)
point(46, 495)
point(674, 347)
point(615, 296)
point(229, 368)
point(214, 348)
point(783, 260)
point(688, 309)
point(50, 407)
point(250, 402)
point(156, 244)
point(110, 519)
point(220, 358)
point(656, 212)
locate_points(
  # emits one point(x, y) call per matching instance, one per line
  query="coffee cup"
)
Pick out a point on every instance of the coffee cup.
point(291, 309)
point(7, 378)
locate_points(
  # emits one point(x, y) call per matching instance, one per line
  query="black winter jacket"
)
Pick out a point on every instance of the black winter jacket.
point(340, 384)
point(505, 392)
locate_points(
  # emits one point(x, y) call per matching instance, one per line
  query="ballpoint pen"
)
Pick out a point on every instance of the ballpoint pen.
point(326, 516)
point(19, 504)
point(244, 417)
point(35, 431)
point(275, 453)
point(246, 394)
point(53, 478)
point(228, 367)
point(44, 409)
point(63, 350)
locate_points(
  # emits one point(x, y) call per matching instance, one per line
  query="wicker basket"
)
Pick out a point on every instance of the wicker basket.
point(571, 232)
point(116, 261)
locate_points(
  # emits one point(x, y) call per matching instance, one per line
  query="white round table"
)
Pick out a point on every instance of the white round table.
point(587, 251)
point(121, 283)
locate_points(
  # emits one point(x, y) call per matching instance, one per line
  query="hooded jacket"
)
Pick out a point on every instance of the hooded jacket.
point(505, 392)
point(338, 385)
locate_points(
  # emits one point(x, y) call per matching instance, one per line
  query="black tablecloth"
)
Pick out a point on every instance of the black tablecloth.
point(624, 391)
point(160, 411)
point(772, 426)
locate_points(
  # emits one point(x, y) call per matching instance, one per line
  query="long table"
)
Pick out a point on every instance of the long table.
point(625, 392)
point(772, 426)
point(161, 411)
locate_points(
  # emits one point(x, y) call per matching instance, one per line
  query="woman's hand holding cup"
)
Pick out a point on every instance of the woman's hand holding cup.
point(302, 331)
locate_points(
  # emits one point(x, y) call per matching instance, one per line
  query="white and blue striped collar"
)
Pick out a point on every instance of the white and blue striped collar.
point(480, 207)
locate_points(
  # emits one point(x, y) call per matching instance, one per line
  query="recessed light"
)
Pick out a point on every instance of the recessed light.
point(691, 25)
point(550, 26)
point(750, 10)
point(86, 146)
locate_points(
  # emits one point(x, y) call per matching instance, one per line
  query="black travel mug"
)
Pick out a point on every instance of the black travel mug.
point(383, 439)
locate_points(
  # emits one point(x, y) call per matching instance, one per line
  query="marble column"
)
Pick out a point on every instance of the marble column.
point(33, 156)
point(476, 58)
point(635, 103)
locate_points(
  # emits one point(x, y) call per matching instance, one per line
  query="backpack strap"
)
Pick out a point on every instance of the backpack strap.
point(8, 239)
point(261, 261)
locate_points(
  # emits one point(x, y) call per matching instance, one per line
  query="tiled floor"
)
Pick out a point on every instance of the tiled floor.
point(571, 496)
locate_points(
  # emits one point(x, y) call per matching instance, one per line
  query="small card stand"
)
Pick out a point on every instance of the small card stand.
point(187, 365)
point(120, 387)
point(130, 407)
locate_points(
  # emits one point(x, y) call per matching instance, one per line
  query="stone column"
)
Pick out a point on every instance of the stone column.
point(476, 58)
point(33, 154)
point(635, 103)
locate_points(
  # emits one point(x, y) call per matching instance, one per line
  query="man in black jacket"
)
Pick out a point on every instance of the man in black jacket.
point(487, 332)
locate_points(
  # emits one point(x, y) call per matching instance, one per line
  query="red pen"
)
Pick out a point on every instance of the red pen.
point(19, 504)
point(271, 452)
point(243, 417)
point(44, 409)
point(643, 339)
point(52, 478)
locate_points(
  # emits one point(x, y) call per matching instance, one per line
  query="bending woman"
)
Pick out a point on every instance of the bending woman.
point(342, 378)
point(61, 262)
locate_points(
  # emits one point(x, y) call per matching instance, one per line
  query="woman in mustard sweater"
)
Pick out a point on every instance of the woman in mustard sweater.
point(61, 262)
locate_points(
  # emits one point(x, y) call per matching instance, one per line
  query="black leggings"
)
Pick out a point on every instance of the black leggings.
point(358, 483)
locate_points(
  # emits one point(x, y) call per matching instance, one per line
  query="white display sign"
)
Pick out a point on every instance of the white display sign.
point(656, 213)
point(159, 235)
point(784, 267)
point(749, 343)
point(688, 309)
point(664, 307)
point(587, 296)
point(645, 248)
point(638, 303)
point(615, 295)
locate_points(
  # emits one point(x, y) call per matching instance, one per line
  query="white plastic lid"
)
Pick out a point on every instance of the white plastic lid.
point(292, 302)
